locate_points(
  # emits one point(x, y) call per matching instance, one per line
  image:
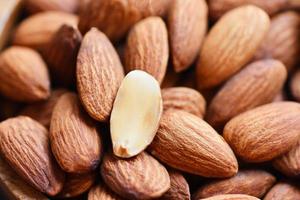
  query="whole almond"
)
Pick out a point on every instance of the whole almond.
point(183, 98)
point(251, 182)
point(61, 54)
point(284, 191)
point(99, 74)
point(23, 75)
point(25, 146)
point(295, 85)
point(148, 178)
point(231, 197)
point(42, 110)
point(115, 17)
point(265, 132)
point(230, 44)
point(34, 6)
point(74, 139)
point(187, 22)
point(257, 84)
point(147, 47)
point(282, 41)
point(37, 30)
point(202, 151)
point(102, 192)
point(289, 163)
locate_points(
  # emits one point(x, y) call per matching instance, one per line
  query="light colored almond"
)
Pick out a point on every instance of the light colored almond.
point(102, 192)
point(34, 6)
point(284, 191)
point(231, 197)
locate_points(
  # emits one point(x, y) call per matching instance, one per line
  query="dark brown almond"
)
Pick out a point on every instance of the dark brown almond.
point(34, 6)
point(265, 132)
point(295, 85)
point(102, 192)
point(255, 85)
point(74, 139)
point(147, 48)
point(99, 74)
point(148, 178)
point(23, 75)
point(284, 191)
point(25, 146)
point(183, 98)
point(202, 151)
point(231, 197)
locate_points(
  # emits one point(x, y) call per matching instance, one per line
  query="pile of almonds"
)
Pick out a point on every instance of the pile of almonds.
point(152, 99)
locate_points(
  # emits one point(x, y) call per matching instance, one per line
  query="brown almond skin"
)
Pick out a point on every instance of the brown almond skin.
point(98, 86)
point(203, 152)
point(37, 30)
point(265, 132)
point(34, 6)
point(23, 75)
point(184, 98)
point(141, 169)
point(217, 8)
point(295, 85)
point(102, 192)
point(116, 17)
point(76, 184)
point(231, 197)
point(257, 84)
point(289, 163)
point(147, 48)
point(282, 41)
point(187, 22)
point(42, 110)
point(25, 146)
point(75, 141)
point(284, 191)
point(251, 182)
point(230, 44)
point(61, 55)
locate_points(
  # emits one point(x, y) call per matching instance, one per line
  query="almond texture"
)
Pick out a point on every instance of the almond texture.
point(230, 44)
point(99, 74)
point(34, 6)
point(263, 133)
point(231, 197)
point(102, 192)
point(284, 191)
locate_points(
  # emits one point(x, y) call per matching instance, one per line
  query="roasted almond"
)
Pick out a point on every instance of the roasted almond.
point(282, 41)
point(202, 151)
point(25, 146)
point(265, 132)
point(147, 48)
point(148, 178)
point(187, 22)
point(251, 182)
point(136, 113)
point(98, 86)
point(295, 85)
point(284, 191)
point(255, 85)
point(184, 98)
point(75, 141)
point(230, 44)
point(34, 6)
point(102, 192)
point(23, 75)
point(114, 18)
point(231, 197)
point(37, 30)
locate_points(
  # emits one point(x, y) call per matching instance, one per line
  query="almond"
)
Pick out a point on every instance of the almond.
point(265, 132)
point(230, 44)
point(34, 6)
point(102, 192)
point(281, 96)
point(147, 47)
point(23, 75)
point(183, 98)
point(289, 163)
point(74, 139)
point(61, 54)
point(284, 191)
point(25, 146)
point(114, 18)
point(98, 86)
point(187, 22)
point(231, 197)
point(251, 182)
point(258, 83)
point(76, 184)
point(42, 111)
point(295, 85)
point(148, 178)
point(282, 41)
point(37, 30)
point(202, 151)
